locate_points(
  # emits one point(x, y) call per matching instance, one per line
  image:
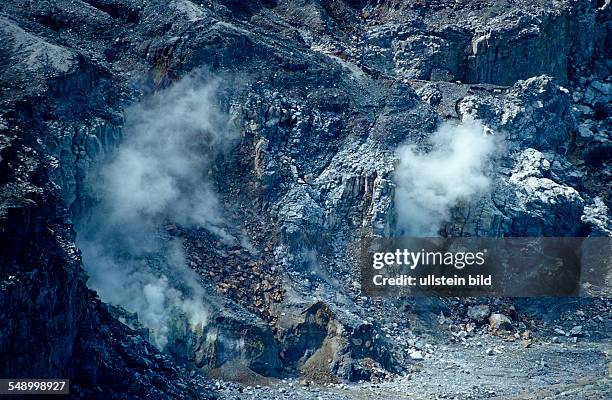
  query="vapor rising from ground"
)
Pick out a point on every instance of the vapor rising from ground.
point(430, 183)
point(158, 175)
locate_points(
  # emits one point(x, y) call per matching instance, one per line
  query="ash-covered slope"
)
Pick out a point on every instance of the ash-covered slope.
point(318, 97)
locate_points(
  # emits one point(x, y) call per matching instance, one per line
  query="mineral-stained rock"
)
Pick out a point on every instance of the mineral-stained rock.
point(231, 340)
point(326, 347)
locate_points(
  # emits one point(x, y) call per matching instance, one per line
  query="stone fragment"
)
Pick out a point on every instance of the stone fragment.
point(576, 331)
point(500, 322)
point(479, 313)
point(416, 355)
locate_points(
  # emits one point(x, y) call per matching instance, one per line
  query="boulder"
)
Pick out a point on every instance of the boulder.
point(499, 322)
point(479, 313)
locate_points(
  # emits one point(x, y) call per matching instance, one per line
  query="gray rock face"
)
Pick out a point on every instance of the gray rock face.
point(538, 195)
point(474, 42)
point(324, 94)
point(535, 118)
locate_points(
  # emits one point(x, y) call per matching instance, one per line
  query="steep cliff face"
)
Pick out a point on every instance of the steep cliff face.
point(468, 41)
point(60, 114)
point(54, 325)
point(322, 95)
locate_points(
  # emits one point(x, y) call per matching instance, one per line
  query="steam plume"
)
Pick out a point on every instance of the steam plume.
point(158, 175)
point(429, 184)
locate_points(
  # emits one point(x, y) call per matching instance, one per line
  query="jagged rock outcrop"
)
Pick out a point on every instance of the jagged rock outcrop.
point(324, 93)
point(324, 349)
point(55, 327)
point(535, 118)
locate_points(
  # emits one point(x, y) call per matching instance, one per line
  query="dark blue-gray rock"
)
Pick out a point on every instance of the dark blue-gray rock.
point(323, 94)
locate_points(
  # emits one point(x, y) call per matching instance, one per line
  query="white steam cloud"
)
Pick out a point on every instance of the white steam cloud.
point(160, 170)
point(429, 184)
point(159, 175)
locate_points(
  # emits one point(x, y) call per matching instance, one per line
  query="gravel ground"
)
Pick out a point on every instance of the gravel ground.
point(481, 366)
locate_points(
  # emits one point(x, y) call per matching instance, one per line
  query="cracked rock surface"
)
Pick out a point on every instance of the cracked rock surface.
point(322, 95)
